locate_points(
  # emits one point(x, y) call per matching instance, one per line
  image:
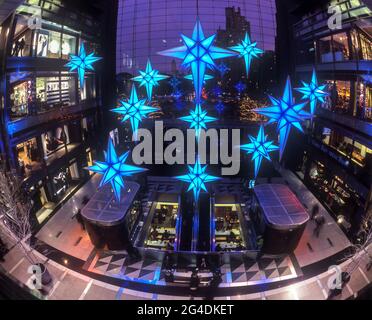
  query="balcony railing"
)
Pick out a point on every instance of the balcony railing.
point(52, 115)
point(359, 125)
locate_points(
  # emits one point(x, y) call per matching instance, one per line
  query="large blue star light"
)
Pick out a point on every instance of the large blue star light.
point(286, 113)
point(248, 51)
point(134, 110)
point(82, 63)
point(260, 148)
point(197, 177)
point(198, 53)
point(149, 78)
point(198, 119)
point(114, 169)
point(313, 91)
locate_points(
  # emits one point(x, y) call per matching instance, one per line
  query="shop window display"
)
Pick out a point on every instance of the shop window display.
point(340, 198)
point(47, 93)
point(340, 96)
point(366, 47)
point(55, 140)
point(29, 157)
point(340, 47)
point(68, 46)
point(48, 44)
point(21, 99)
point(349, 148)
point(365, 101)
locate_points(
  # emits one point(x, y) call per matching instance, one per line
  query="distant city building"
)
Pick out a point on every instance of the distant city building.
point(146, 27)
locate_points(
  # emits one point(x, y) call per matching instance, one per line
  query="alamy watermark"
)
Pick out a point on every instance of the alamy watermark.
point(172, 147)
point(335, 20)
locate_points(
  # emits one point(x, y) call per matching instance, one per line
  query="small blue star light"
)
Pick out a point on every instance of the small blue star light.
point(198, 119)
point(248, 51)
point(82, 63)
point(220, 107)
point(197, 177)
point(286, 113)
point(217, 91)
point(313, 91)
point(252, 184)
point(149, 78)
point(134, 110)
point(260, 148)
point(240, 87)
point(198, 53)
point(223, 69)
point(114, 169)
point(174, 82)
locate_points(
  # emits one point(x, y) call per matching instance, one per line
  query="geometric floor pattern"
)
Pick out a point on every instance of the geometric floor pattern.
point(248, 271)
point(121, 266)
point(239, 271)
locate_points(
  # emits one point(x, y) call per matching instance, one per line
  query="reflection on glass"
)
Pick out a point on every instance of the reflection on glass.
point(341, 47)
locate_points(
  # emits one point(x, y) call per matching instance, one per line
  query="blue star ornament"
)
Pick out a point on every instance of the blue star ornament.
point(240, 87)
point(82, 63)
point(149, 78)
point(197, 177)
point(134, 110)
point(248, 51)
point(114, 169)
point(198, 53)
point(260, 148)
point(313, 92)
point(220, 107)
point(198, 119)
point(286, 113)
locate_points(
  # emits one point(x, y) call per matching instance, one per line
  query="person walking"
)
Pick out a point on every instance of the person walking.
point(314, 211)
point(319, 221)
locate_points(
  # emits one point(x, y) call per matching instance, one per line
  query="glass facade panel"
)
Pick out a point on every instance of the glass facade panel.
point(146, 27)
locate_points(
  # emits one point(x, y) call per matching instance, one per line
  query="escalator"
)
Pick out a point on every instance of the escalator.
point(204, 219)
point(186, 228)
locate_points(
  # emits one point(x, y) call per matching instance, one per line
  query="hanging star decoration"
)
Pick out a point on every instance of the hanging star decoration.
point(177, 94)
point(248, 51)
point(198, 119)
point(174, 82)
point(240, 87)
point(197, 177)
point(82, 63)
point(286, 113)
point(260, 148)
point(198, 53)
point(223, 69)
point(217, 91)
point(114, 169)
point(251, 184)
point(149, 78)
point(220, 107)
point(313, 92)
point(134, 110)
